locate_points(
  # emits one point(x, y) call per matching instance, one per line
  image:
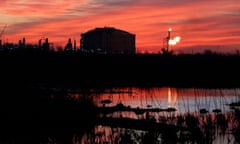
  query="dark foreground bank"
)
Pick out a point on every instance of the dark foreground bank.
point(42, 115)
point(78, 69)
point(30, 114)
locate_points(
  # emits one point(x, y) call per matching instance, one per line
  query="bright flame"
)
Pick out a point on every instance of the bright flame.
point(170, 29)
point(174, 41)
point(177, 39)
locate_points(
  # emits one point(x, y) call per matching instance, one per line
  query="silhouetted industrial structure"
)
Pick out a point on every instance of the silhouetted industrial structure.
point(70, 47)
point(165, 49)
point(108, 40)
point(45, 45)
point(1, 36)
point(22, 45)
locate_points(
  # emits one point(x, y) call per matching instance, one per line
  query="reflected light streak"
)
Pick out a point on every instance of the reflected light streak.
point(172, 98)
point(169, 95)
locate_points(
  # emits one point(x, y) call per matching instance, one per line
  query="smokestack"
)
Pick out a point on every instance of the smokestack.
point(169, 33)
point(75, 45)
point(168, 38)
point(39, 43)
point(46, 40)
point(24, 42)
point(20, 43)
point(46, 44)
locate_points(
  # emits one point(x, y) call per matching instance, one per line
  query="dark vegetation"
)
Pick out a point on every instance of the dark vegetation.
point(62, 68)
point(36, 115)
point(30, 114)
point(33, 115)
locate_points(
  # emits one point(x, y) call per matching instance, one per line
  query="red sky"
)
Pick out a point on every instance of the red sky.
point(202, 24)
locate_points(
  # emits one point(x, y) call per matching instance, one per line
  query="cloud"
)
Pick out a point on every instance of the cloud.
point(197, 22)
point(41, 8)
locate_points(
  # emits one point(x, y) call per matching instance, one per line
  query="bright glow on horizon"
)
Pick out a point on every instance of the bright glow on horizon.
point(177, 39)
point(216, 27)
point(174, 41)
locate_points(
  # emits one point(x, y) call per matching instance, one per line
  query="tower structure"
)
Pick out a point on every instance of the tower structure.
point(168, 38)
point(166, 43)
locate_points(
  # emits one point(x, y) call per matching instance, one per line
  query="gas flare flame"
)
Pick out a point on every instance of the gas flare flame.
point(174, 41)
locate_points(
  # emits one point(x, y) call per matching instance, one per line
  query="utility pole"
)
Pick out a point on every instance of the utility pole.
point(1, 36)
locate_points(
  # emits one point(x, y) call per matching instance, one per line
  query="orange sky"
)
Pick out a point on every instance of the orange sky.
point(202, 24)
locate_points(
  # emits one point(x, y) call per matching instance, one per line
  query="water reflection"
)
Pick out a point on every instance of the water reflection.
point(172, 98)
point(108, 135)
point(123, 115)
point(183, 100)
point(199, 115)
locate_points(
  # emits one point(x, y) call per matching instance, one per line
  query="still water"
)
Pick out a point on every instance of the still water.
point(208, 107)
point(185, 100)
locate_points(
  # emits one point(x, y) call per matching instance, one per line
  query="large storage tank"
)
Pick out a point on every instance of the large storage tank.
point(108, 40)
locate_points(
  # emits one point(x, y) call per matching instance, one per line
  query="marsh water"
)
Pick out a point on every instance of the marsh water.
point(185, 100)
point(120, 115)
point(210, 109)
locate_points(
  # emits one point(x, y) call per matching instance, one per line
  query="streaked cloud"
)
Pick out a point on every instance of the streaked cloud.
point(40, 9)
point(213, 23)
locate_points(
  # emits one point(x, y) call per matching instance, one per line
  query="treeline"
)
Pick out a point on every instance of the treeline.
point(82, 69)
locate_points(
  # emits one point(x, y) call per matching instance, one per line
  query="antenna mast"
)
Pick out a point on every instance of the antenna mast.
point(1, 34)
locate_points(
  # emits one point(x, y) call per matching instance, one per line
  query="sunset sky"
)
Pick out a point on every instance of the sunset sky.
point(201, 24)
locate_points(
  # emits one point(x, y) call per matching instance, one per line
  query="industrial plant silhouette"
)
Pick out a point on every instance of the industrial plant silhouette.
point(106, 40)
point(101, 40)
point(36, 79)
point(107, 56)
